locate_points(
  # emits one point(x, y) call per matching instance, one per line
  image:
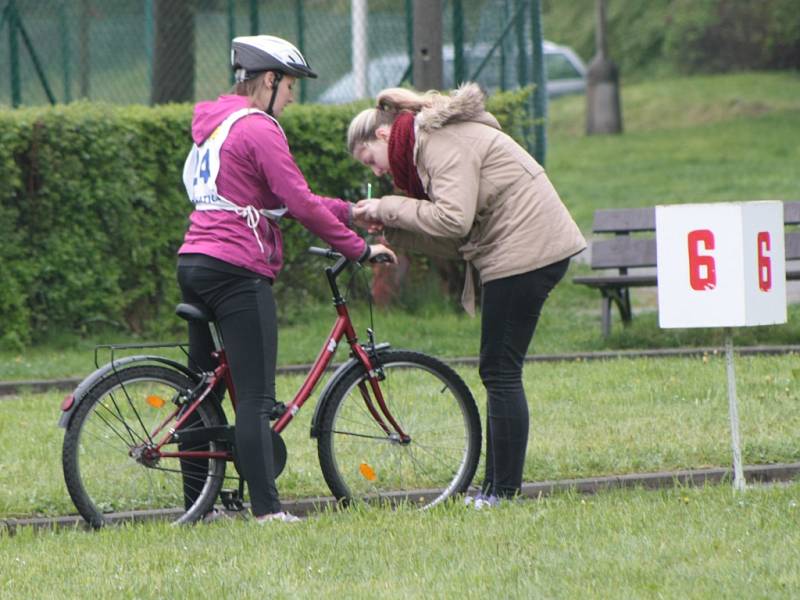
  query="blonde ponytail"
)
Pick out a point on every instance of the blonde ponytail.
point(390, 103)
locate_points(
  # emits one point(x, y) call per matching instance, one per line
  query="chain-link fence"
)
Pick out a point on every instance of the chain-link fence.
point(120, 50)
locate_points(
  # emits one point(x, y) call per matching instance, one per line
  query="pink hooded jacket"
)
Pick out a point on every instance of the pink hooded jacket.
point(257, 168)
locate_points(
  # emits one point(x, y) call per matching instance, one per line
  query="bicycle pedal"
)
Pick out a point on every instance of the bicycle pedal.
point(277, 411)
point(231, 500)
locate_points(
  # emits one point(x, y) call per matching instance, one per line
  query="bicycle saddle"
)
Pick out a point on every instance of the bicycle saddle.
point(194, 312)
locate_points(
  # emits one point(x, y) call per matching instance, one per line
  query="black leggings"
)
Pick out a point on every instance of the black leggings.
point(510, 309)
point(244, 309)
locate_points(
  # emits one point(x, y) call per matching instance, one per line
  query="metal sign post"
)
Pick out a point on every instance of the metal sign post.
point(738, 472)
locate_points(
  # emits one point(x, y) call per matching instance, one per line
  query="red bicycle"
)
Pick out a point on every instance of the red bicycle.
point(147, 432)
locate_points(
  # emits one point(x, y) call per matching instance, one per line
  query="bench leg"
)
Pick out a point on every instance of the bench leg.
point(622, 298)
point(624, 303)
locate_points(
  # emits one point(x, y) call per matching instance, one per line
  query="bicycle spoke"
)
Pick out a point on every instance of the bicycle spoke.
point(383, 438)
point(135, 412)
point(118, 417)
point(122, 419)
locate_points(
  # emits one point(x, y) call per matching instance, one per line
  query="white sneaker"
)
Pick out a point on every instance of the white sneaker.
point(278, 516)
point(482, 501)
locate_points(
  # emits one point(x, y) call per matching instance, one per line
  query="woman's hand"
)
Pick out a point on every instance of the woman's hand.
point(366, 209)
point(365, 216)
point(376, 250)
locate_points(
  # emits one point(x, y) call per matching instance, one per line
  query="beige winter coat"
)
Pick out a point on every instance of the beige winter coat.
point(490, 202)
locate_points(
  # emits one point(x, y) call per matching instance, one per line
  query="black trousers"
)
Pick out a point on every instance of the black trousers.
point(244, 309)
point(510, 309)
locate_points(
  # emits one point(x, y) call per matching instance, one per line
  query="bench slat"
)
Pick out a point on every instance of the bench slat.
point(791, 212)
point(623, 220)
point(623, 251)
point(792, 245)
point(620, 252)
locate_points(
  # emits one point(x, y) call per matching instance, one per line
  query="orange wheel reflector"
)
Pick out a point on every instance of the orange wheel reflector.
point(156, 401)
point(367, 472)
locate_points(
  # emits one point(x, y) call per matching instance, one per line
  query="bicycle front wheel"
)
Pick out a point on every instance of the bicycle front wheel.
point(431, 404)
point(108, 458)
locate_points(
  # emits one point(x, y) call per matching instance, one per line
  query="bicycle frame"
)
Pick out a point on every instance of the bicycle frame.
point(342, 328)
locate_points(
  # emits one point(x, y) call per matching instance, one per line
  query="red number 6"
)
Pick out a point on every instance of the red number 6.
point(764, 262)
point(702, 270)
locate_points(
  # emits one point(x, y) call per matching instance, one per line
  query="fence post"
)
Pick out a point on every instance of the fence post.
point(522, 46)
point(149, 38)
point(427, 63)
point(458, 43)
point(13, 52)
point(358, 47)
point(504, 17)
point(65, 53)
point(253, 17)
point(410, 39)
point(540, 80)
point(231, 33)
point(301, 42)
point(83, 49)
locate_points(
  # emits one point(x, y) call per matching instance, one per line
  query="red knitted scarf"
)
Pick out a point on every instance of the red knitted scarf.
point(401, 156)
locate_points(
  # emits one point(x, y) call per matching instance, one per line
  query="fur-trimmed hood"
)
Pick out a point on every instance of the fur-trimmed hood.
point(465, 104)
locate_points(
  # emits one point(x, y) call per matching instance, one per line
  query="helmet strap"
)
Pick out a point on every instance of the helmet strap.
point(275, 83)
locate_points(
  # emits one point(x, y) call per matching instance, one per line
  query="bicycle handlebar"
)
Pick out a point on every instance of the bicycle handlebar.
point(326, 252)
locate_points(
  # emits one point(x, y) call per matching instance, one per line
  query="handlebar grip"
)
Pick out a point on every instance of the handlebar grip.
point(326, 252)
point(380, 258)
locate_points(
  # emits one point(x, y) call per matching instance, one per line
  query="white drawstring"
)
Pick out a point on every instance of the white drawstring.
point(252, 217)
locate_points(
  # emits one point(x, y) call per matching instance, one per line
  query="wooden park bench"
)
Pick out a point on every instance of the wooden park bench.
point(629, 247)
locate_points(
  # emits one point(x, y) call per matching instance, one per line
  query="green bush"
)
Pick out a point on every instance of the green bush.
point(713, 36)
point(652, 37)
point(92, 211)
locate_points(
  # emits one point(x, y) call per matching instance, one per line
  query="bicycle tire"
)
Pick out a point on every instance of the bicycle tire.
point(116, 417)
point(431, 403)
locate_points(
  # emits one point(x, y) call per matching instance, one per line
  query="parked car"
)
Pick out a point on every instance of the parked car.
point(566, 72)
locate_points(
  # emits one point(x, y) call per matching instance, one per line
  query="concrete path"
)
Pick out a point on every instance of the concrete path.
point(755, 474)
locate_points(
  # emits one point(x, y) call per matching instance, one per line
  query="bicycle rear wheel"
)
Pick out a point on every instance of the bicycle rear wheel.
point(105, 458)
point(431, 403)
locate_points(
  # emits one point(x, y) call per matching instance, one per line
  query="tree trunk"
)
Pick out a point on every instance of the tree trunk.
point(174, 52)
point(427, 63)
point(603, 113)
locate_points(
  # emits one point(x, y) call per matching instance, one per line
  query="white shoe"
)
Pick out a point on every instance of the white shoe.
point(214, 515)
point(486, 502)
point(481, 501)
point(278, 516)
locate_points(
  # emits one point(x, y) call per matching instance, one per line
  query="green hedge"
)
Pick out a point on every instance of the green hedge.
point(92, 210)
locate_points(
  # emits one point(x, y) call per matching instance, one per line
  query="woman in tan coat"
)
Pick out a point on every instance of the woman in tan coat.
point(472, 191)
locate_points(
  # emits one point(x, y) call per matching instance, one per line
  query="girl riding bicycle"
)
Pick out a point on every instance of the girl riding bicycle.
point(241, 178)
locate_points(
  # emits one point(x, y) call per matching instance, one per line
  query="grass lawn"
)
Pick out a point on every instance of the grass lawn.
point(678, 543)
point(587, 419)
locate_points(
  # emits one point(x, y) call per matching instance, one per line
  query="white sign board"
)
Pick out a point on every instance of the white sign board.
point(721, 265)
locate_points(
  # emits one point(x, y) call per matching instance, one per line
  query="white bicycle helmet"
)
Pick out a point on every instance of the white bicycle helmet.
point(251, 55)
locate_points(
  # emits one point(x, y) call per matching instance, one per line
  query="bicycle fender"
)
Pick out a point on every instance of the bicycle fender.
point(101, 373)
point(329, 385)
point(338, 374)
